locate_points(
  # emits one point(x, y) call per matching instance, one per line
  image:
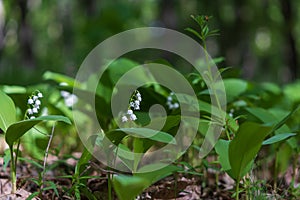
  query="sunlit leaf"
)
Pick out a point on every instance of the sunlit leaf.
point(18, 129)
point(151, 134)
point(245, 146)
point(7, 111)
point(222, 147)
point(278, 138)
point(234, 88)
point(128, 187)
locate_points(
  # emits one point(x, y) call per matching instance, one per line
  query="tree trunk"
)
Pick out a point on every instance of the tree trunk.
point(25, 36)
point(291, 53)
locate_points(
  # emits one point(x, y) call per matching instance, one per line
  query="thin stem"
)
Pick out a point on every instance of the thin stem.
point(17, 152)
point(275, 170)
point(237, 189)
point(109, 186)
point(13, 171)
point(176, 185)
point(46, 156)
point(295, 161)
point(210, 76)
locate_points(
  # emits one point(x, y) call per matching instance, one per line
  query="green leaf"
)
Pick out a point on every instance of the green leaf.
point(120, 67)
point(271, 87)
point(280, 127)
point(278, 138)
point(82, 162)
point(282, 121)
point(33, 195)
point(31, 161)
point(221, 148)
point(35, 142)
point(138, 147)
point(52, 186)
point(18, 129)
point(194, 32)
point(14, 89)
point(245, 145)
point(7, 111)
point(59, 78)
point(234, 88)
point(267, 117)
point(151, 134)
point(151, 173)
point(128, 187)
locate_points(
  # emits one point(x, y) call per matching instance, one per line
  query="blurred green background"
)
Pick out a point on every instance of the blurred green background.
point(257, 37)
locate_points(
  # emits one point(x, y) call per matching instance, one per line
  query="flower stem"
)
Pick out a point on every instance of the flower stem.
point(46, 156)
point(237, 189)
point(13, 171)
point(109, 186)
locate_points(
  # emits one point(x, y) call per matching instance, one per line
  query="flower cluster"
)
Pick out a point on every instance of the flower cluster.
point(134, 104)
point(70, 99)
point(34, 104)
point(171, 102)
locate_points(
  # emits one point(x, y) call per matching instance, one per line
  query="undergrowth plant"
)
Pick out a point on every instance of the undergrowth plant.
point(258, 115)
point(14, 129)
point(249, 125)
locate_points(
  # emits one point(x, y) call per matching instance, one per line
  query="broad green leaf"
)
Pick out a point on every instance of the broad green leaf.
point(59, 78)
point(271, 87)
point(234, 88)
point(35, 142)
point(151, 134)
point(245, 145)
point(7, 111)
point(128, 187)
point(291, 91)
point(118, 68)
point(126, 155)
point(138, 148)
point(203, 126)
point(278, 138)
point(115, 136)
point(18, 129)
point(151, 173)
point(262, 114)
point(283, 121)
point(280, 127)
point(171, 121)
point(14, 89)
point(267, 117)
point(221, 148)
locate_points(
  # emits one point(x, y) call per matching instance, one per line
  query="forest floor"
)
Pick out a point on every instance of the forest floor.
point(212, 185)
